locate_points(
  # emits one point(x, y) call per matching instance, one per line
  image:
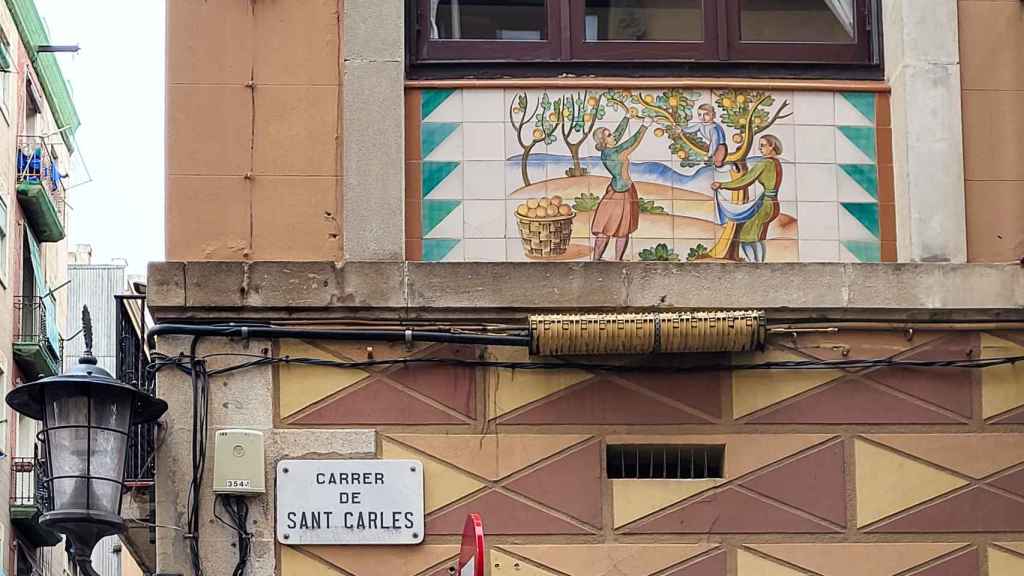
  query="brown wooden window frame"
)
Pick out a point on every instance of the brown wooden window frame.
point(721, 43)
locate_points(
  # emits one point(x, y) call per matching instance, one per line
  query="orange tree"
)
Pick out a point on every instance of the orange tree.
point(580, 114)
point(545, 117)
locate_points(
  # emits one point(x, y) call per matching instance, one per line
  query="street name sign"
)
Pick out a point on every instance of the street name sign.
point(349, 502)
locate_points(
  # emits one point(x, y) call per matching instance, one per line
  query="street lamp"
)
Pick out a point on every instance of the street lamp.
point(86, 415)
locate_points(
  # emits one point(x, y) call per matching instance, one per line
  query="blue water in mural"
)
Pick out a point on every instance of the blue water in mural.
point(548, 166)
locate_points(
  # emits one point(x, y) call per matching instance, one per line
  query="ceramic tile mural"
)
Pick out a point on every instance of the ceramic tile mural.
point(653, 174)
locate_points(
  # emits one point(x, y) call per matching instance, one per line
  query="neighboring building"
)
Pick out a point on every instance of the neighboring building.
point(384, 164)
point(99, 287)
point(37, 127)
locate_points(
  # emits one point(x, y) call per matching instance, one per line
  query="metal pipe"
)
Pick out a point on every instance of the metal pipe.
point(244, 331)
point(917, 326)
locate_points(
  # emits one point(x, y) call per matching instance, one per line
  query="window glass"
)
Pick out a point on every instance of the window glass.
point(3, 238)
point(644, 20)
point(823, 21)
point(488, 19)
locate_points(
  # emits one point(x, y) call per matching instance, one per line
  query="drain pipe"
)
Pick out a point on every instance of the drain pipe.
point(391, 335)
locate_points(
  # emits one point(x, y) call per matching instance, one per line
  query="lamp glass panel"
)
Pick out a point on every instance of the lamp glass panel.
point(111, 417)
point(68, 448)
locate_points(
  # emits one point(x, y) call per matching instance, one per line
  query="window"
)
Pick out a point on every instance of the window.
point(664, 461)
point(3, 241)
point(746, 31)
point(6, 70)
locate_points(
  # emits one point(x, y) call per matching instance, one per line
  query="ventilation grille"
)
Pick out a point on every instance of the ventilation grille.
point(664, 461)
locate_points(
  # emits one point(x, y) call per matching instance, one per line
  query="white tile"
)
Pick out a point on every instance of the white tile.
point(851, 229)
point(814, 108)
point(819, 251)
point(787, 134)
point(449, 227)
point(450, 148)
point(818, 220)
point(780, 98)
point(485, 250)
point(848, 153)
point(847, 115)
point(484, 105)
point(790, 185)
point(483, 140)
point(456, 254)
point(449, 111)
point(484, 218)
point(815, 144)
point(848, 190)
point(513, 148)
point(651, 148)
point(816, 182)
point(514, 250)
point(484, 180)
point(537, 172)
point(451, 188)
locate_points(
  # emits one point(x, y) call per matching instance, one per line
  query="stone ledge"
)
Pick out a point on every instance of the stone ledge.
point(276, 290)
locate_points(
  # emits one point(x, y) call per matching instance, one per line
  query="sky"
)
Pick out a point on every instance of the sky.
point(117, 80)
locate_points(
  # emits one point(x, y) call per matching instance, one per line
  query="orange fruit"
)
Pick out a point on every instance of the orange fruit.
point(538, 133)
point(544, 202)
point(552, 211)
point(564, 210)
point(532, 203)
point(659, 132)
point(556, 200)
point(522, 210)
point(531, 213)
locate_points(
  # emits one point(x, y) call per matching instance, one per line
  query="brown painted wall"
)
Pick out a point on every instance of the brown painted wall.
point(883, 471)
point(991, 44)
point(253, 157)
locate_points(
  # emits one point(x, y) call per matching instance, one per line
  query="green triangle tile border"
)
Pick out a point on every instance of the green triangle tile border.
point(865, 213)
point(863, 102)
point(864, 250)
point(433, 133)
point(435, 249)
point(431, 99)
point(433, 173)
point(862, 137)
point(434, 211)
point(865, 175)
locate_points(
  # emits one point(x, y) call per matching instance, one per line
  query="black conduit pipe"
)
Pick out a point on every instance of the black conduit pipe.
point(264, 331)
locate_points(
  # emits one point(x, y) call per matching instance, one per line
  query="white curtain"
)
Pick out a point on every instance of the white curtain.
point(843, 9)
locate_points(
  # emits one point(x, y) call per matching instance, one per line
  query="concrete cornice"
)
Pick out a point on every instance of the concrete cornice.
point(415, 290)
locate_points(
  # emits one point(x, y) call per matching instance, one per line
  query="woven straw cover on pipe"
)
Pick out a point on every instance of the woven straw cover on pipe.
point(724, 331)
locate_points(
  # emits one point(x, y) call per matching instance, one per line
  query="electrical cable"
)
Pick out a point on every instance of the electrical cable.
point(237, 508)
point(845, 364)
point(200, 410)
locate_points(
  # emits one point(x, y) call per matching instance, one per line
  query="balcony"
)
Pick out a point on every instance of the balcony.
point(40, 189)
point(140, 467)
point(37, 343)
point(29, 500)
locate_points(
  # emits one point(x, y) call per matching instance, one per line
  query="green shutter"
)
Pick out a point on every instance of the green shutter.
point(5, 58)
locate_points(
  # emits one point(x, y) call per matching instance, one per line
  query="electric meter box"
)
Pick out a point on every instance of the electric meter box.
point(238, 462)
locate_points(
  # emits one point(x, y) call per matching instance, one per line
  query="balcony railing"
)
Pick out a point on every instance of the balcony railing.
point(132, 359)
point(30, 498)
point(27, 486)
point(37, 343)
point(41, 188)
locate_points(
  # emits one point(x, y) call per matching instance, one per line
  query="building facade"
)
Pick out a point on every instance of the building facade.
point(37, 131)
point(457, 167)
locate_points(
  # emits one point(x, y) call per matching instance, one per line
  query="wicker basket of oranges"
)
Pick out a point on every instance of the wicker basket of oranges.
point(545, 225)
